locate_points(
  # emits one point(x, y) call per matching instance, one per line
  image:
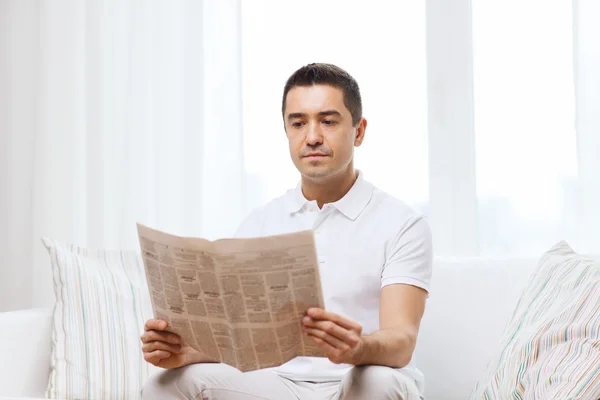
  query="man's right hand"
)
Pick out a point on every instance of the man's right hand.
point(165, 350)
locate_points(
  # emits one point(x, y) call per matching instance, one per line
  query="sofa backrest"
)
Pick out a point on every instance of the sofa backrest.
point(25, 345)
point(470, 303)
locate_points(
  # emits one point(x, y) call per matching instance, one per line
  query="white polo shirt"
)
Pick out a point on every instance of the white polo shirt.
point(365, 241)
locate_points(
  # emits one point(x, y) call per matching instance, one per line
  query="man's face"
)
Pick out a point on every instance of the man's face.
point(320, 131)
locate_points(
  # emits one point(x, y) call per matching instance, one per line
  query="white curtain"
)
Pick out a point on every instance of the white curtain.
point(587, 91)
point(113, 113)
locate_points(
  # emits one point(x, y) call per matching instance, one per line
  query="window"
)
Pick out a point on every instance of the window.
point(381, 44)
point(526, 156)
point(471, 111)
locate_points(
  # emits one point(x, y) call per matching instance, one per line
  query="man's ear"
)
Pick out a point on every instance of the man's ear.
point(361, 128)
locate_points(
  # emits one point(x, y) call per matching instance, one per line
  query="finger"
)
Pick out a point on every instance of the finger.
point(347, 336)
point(156, 356)
point(161, 336)
point(331, 340)
point(321, 314)
point(155, 324)
point(153, 346)
point(332, 352)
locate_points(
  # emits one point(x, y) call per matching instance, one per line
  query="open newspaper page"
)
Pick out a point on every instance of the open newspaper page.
point(239, 301)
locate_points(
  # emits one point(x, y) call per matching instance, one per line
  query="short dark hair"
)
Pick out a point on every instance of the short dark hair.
point(327, 74)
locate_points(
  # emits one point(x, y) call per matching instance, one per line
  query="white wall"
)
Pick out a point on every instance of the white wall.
point(19, 41)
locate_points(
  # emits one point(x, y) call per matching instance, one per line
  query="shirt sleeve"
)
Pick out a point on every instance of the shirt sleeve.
point(410, 256)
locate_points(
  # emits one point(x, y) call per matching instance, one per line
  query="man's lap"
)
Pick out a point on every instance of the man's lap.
point(223, 382)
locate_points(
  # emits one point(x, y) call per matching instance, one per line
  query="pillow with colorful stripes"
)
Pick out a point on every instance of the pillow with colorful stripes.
point(101, 305)
point(551, 345)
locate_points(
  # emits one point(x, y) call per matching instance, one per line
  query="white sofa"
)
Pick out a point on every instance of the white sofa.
point(470, 303)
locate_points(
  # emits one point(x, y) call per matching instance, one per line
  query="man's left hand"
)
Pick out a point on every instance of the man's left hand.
point(339, 337)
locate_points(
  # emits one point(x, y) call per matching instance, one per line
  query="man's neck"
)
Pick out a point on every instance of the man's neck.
point(331, 190)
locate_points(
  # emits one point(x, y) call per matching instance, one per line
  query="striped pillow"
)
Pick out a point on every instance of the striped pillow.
point(101, 304)
point(551, 345)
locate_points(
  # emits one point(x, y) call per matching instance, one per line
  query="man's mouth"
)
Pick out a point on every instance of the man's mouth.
point(315, 155)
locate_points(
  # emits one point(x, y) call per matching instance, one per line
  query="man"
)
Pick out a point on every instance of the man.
point(374, 256)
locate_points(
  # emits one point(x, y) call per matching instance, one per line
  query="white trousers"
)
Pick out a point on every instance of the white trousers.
point(223, 382)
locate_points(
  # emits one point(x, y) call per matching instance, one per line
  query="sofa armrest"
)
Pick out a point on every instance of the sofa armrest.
point(25, 349)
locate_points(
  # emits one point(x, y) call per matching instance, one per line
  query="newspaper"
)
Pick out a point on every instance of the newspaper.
point(238, 301)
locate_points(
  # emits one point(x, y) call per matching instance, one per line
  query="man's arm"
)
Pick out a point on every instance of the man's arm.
point(401, 307)
point(400, 312)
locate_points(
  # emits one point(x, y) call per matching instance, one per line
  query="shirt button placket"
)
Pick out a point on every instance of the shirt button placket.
point(319, 236)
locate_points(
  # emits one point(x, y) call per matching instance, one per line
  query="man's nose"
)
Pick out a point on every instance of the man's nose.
point(314, 135)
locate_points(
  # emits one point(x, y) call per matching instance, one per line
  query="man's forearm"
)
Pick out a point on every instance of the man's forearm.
point(388, 347)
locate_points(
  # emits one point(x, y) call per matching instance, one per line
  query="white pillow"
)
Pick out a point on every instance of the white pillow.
point(102, 303)
point(551, 345)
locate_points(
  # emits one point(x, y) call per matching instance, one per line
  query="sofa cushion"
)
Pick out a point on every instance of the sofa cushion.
point(101, 305)
point(551, 346)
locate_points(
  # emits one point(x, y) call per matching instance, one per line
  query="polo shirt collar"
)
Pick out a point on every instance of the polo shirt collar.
point(351, 205)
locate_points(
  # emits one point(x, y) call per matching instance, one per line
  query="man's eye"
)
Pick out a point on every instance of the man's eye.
point(329, 122)
point(297, 124)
